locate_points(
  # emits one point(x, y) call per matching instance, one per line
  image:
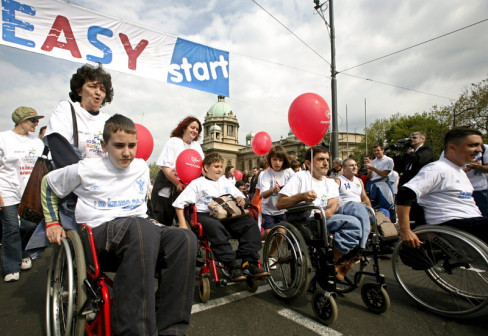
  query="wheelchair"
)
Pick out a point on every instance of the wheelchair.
point(210, 268)
point(304, 262)
point(78, 293)
point(447, 275)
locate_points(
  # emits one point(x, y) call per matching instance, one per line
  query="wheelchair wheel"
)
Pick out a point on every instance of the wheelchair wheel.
point(352, 281)
point(291, 276)
point(448, 275)
point(65, 293)
point(252, 285)
point(375, 298)
point(204, 289)
point(324, 307)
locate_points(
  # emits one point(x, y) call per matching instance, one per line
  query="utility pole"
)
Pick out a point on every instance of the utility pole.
point(333, 72)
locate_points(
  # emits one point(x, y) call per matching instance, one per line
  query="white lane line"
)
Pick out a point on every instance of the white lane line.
point(227, 299)
point(308, 323)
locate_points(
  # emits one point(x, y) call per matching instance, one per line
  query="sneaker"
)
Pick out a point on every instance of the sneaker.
point(254, 270)
point(11, 277)
point(26, 264)
point(272, 262)
point(236, 274)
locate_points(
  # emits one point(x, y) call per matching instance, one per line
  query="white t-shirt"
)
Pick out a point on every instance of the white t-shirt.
point(231, 179)
point(268, 180)
point(385, 163)
point(394, 179)
point(478, 180)
point(104, 191)
point(169, 154)
point(90, 127)
point(202, 190)
point(350, 191)
point(444, 191)
point(302, 181)
point(18, 155)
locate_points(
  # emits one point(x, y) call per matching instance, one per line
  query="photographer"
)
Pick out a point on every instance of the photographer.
point(416, 155)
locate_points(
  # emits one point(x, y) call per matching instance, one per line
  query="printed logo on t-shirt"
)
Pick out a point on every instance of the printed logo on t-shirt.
point(464, 195)
point(93, 146)
point(94, 187)
point(323, 200)
point(139, 185)
point(28, 162)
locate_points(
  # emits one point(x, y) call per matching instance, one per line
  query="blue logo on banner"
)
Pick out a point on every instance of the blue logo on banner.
point(199, 67)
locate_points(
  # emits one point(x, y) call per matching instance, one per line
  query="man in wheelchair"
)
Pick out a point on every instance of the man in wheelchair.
point(112, 200)
point(200, 192)
point(311, 185)
point(444, 191)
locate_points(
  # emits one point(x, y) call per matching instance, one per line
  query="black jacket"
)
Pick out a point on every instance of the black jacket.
point(411, 163)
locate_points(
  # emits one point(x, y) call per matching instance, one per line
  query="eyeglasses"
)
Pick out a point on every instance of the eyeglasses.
point(33, 120)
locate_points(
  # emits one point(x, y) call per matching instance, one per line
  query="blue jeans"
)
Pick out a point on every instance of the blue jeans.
point(12, 249)
point(359, 211)
point(347, 232)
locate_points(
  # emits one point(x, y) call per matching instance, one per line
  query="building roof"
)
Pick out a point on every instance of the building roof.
point(221, 109)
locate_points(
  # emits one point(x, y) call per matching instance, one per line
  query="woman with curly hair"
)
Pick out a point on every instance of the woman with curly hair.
point(167, 185)
point(91, 88)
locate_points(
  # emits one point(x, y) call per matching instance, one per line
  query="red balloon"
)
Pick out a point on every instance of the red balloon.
point(188, 165)
point(309, 118)
point(261, 143)
point(145, 142)
point(237, 174)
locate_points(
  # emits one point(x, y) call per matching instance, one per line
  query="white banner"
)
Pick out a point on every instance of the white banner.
point(61, 30)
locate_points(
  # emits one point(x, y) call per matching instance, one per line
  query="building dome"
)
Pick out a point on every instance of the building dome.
point(221, 109)
point(250, 135)
point(290, 134)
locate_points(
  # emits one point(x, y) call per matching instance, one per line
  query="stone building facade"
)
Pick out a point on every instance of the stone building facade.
point(221, 134)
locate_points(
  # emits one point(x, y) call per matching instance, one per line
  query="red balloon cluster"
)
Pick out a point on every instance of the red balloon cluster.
point(261, 143)
point(145, 142)
point(309, 118)
point(188, 165)
point(237, 174)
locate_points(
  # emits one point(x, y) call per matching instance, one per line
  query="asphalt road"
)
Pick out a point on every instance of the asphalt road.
point(233, 310)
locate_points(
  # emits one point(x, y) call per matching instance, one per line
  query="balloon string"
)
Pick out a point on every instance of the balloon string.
point(311, 168)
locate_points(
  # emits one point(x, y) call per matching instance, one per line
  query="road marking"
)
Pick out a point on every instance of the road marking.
point(196, 308)
point(308, 323)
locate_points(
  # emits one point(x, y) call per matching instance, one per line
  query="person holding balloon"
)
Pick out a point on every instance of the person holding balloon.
point(312, 185)
point(167, 185)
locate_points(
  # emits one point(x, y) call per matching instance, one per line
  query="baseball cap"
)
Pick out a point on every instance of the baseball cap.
point(23, 113)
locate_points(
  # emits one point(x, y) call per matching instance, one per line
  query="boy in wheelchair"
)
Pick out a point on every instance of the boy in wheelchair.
point(311, 185)
point(444, 191)
point(111, 199)
point(200, 192)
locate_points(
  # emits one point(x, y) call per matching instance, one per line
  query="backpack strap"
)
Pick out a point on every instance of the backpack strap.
point(75, 126)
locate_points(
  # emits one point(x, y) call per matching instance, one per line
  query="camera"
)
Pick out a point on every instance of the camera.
point(402, 145)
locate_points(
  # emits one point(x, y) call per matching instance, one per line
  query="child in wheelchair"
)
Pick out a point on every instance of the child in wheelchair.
point(311, 185)
point(112, 200)
point(200, 192)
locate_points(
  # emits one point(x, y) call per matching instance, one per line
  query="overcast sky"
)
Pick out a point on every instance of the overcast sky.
point(269, 66)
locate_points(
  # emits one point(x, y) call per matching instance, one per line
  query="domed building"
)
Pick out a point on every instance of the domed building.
point(221, 132)
point(221, 135)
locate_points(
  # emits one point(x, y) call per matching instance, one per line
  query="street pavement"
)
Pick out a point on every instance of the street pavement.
point(233, 310)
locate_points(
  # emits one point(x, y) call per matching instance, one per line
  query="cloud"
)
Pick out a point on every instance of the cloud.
point(269, 66)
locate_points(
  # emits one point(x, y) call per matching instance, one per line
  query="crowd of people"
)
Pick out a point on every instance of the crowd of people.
point(103, 185)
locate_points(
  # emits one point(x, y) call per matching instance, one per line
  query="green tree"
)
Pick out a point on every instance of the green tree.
point(153, 171)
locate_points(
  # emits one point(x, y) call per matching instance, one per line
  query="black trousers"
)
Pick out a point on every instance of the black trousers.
point(136, 248)
point(477, 226)
point(245, 229)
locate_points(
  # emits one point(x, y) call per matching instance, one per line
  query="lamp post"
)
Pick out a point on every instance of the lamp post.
point(458, 113)
point(333, 72)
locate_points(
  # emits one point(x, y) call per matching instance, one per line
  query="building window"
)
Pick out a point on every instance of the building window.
point(230, 130)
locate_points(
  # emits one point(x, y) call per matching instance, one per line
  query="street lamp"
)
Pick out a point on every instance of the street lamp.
point(458, 113)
